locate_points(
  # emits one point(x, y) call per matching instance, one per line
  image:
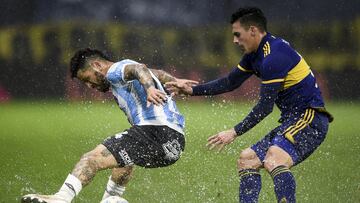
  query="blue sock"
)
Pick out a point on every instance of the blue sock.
point(284, 184)
point(250, 185)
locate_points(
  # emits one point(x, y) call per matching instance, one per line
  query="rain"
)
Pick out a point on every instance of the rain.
point(49, 120)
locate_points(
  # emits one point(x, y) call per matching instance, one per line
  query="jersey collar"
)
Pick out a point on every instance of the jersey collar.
point(262, 42)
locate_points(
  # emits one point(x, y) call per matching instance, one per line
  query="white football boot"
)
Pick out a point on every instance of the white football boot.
point(35, 198)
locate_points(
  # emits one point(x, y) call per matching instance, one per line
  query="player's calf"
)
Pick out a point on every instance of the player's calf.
point(117, 181)
point(98, 159)
point(278, 162)
point(250, 179)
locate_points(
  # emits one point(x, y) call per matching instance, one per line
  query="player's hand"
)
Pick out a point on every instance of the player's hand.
point(181, 86)
point(155, 96)
point(221, 139)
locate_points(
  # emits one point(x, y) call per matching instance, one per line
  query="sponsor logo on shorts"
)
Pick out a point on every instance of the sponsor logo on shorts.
point(126, 158)
point(172, 150)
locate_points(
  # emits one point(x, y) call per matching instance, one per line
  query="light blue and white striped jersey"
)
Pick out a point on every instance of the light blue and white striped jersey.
point(131, 98)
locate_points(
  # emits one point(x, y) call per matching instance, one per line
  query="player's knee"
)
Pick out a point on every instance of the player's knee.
point(248, 160)
point(90, 159)
point(276, 157)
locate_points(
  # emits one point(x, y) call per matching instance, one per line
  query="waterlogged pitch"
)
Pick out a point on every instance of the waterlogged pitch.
point(40, 143)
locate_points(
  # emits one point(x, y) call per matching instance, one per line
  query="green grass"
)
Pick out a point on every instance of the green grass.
point(40, 143)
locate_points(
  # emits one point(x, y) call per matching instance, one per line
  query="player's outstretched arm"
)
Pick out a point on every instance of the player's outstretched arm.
point(163, 76)
point(167, 79)
point(142, 73)
point(225, 84)
point(263, 108)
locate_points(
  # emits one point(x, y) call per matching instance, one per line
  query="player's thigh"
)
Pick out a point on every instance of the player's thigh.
point(307, 140)
point(261, 147)
point(248, 160)
point(300, 142)
point(146, 146)
point(275, 157)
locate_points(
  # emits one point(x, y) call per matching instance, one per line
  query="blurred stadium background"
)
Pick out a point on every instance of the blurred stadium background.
point(37, 38)
point(40, 104)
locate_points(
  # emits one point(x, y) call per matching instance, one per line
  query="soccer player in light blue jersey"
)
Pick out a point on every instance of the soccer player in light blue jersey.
point(155, 138)
point(288, 82)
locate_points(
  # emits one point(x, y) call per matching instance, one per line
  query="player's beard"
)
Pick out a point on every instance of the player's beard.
point(103, 84)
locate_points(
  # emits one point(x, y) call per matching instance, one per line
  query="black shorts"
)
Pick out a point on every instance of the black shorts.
point(148, 146)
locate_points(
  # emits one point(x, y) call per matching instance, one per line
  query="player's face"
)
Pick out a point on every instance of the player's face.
point(94, 79)
point(244, 37)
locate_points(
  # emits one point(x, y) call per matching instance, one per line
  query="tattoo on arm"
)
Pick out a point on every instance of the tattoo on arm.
point(163, 76)
point(140, 72)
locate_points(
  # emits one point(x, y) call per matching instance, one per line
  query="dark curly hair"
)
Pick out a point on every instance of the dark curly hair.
point(80, 58)
point(250, 16)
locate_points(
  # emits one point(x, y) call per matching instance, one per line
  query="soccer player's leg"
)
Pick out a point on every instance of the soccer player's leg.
point(278, 163)
point(249, 163)
point(250, 179)
point(293, 144)
point(118, 181)
point(84, 171)
point(145, 146)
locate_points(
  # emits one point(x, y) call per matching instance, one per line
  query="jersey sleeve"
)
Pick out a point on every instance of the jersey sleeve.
point(277, 64)
point(116, 72)
point(225, 84)
point(268, 95)
point(245, 65)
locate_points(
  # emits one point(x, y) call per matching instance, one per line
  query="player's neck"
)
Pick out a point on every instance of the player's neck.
point(106, 67)
point(259, 39)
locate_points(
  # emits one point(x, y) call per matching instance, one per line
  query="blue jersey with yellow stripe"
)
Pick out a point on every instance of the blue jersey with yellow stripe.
point(287, 81)
point(276, 61)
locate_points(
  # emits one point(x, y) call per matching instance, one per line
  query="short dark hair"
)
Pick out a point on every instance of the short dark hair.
point(250, 16)
point(78, 61)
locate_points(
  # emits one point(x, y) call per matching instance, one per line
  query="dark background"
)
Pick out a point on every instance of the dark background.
point(187, 38)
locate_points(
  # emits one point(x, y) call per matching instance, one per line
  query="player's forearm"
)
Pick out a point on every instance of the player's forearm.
point(257, 114)
point(226, 84)
point(263, 108)
point(163, 76)
point(214, 87)
point(140, 72)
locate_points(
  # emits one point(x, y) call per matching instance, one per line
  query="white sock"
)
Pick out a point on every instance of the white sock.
point(71, 187)
point(113, 189)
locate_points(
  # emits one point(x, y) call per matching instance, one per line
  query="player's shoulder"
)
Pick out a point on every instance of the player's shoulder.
point(245, 63)
point(128, 61)
point(277, 50)
point(278, 45)
point(115, 73)
point(117, 66)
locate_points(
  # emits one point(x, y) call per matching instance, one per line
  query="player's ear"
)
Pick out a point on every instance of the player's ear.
point(252, 31)
point(96, 65)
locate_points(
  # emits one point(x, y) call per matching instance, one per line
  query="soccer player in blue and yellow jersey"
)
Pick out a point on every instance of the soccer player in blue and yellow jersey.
point(288, 82)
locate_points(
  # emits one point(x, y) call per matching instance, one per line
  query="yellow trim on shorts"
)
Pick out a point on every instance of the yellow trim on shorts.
point(291, 131)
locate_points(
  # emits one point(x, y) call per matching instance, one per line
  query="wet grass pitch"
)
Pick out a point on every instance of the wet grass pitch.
point(41, 141)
